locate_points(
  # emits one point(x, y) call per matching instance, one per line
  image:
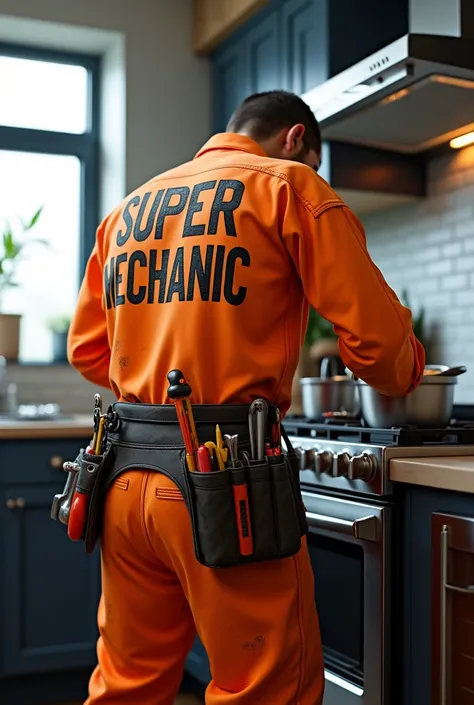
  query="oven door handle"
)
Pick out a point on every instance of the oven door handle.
point(365, 529)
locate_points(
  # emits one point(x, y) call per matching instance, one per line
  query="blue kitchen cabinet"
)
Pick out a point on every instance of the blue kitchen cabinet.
point(197, 663)
point(284, 46)
point(418, 569)
point(262, 50)
point(50, 588)
point(304, 44)
point(230, 82)
point(246, 65)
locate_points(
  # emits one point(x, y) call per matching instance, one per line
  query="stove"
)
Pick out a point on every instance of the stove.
point(354, 518)
point(344, 456)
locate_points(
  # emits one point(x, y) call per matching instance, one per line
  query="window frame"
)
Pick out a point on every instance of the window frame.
point(86, 146)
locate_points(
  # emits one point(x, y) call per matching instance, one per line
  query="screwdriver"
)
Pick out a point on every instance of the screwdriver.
point(179, 392)
point(241, 500)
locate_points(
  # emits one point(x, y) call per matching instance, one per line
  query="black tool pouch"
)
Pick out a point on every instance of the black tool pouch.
point(276, 518)
point(86, 475)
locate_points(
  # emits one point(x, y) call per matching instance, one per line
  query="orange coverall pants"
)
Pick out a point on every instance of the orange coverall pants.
point(258, 623)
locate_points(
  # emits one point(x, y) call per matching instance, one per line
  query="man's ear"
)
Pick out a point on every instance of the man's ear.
point(294, 139)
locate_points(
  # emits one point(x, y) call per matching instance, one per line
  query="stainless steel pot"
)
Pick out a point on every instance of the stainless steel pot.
point(429, 406)
point(330, 392)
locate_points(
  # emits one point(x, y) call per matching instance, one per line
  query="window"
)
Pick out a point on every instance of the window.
point(49, 152)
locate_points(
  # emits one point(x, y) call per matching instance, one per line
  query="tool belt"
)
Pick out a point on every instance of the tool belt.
point(251, 512)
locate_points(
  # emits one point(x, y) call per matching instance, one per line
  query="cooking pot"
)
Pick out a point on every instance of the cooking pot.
point(430, 405)
point(329, 392)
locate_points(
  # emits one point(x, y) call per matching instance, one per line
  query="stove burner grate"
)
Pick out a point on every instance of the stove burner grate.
point(351, 430)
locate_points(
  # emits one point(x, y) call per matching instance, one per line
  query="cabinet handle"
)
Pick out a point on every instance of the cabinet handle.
point(18, 503)
point(444, 587)
point(57, 462)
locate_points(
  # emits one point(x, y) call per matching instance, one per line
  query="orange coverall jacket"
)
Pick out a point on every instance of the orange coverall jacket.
point(210, 268)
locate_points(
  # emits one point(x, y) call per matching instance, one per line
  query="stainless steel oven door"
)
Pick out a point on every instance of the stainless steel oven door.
point(349, 546)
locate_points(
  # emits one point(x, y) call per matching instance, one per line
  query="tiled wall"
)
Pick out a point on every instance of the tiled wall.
point(428, 249)
point(58, 384)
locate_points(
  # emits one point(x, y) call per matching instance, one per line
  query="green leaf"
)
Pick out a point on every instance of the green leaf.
point(8, 244)
point(34, 219)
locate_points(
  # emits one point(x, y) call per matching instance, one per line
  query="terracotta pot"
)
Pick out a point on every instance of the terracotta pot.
point(10, 335)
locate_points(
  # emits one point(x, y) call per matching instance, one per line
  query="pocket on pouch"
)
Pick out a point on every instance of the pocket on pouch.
point(285, 507)
point(262, 515)
point(213, 518)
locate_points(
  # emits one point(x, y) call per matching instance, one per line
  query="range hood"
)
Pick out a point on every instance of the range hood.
point(411, 96)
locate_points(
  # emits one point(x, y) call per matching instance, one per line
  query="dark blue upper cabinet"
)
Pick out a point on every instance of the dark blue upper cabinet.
point(50, 587)
point(230, 82)
point(263, 55)
point(304, 44)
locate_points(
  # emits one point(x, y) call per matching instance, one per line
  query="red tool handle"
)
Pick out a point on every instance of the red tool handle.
point(77, 516)
point(242, 513)
point(204, 459)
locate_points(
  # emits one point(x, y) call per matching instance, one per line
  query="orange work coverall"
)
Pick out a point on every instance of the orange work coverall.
point(209, 268)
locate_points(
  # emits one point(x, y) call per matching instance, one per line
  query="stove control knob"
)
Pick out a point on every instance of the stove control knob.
point(323, 460)
point(311, 458)
point(301, 455)
point(341, 464)
point(363, 467)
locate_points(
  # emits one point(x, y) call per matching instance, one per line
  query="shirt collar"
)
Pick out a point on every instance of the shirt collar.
point(231, 141)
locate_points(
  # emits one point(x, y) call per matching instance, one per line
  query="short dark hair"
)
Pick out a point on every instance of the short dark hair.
point(264, 114)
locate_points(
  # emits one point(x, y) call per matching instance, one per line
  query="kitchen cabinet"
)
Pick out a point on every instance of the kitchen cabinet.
point(249, 65)
point(215, 19)
point(282, 47)
point(230, 83)
point(304, 44)
point(50, 587)
point(421, 565)
point(197, 663)
point(452, 613)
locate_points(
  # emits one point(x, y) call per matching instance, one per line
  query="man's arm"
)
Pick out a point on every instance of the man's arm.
point(376, 339)
point(88, 345)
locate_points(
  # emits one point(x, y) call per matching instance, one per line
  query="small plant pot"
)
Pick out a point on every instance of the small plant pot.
point(10, 335)
point(60, 346)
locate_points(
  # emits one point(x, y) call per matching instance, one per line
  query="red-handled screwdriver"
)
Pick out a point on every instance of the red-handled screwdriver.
point(241, 500)
point(179, 392)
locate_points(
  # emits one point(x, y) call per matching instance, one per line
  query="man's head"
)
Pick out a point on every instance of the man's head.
point(282, 124)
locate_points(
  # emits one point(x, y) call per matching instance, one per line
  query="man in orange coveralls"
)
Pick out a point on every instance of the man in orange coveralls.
point(210, 267)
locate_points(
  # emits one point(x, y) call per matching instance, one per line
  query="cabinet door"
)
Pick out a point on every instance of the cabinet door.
point(50, 587)
point(230, 82)
point(197, 663)
point(305, 44)
point(452, 609)
point(263, 55)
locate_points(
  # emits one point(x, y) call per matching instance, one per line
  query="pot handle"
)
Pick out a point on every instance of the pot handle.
point(328, 367)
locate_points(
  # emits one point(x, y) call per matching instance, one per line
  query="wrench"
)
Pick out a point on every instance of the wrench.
point(257, 427)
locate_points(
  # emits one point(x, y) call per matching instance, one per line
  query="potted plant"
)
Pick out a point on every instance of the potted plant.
point(59, 327)
point(12, 248)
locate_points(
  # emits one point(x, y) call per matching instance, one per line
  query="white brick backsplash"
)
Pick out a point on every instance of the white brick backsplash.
point(465, 229)
point(454, 249)
point(469, 245)
point(465, 264)
point(464, 298)
point(442, 266)
point(454, 282)
point(428, 249)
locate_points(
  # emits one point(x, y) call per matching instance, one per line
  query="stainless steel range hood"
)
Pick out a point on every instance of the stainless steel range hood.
point(411, 96)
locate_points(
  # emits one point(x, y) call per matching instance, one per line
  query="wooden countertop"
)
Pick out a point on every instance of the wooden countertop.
point(68, 427)
point(455, 473)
